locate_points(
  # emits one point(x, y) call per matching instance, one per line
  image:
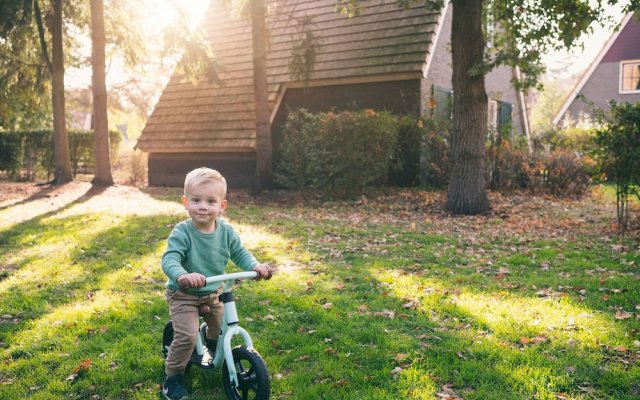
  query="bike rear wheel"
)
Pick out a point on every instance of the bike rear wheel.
point(252, 375)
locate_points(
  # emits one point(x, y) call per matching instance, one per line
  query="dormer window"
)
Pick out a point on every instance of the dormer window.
point(630, 76)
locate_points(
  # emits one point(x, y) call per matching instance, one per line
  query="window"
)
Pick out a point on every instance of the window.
point(630, 76)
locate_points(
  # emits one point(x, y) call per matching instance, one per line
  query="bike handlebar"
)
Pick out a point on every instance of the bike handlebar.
point(232, 276)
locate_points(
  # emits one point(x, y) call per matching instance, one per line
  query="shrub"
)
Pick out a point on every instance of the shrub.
point(299, 150)
point(559, 173)
point(29, 154)
point(619, 152)
point(337, 152)
point(564, 175)
point(508, 168)
point(434, 157)
point(10, 153)
point(577, 140)
point(405, 168)
point(356, 150)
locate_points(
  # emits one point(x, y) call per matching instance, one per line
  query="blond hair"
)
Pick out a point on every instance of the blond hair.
point(203, 175)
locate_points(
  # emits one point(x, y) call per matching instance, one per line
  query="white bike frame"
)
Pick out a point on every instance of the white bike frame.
point(230, 325)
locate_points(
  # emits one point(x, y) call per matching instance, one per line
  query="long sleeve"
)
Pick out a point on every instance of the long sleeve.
point(178, 245)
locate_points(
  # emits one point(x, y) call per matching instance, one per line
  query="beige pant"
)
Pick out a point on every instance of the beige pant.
point(183, 309)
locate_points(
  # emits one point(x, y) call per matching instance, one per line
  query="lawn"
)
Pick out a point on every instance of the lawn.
point(384, 297)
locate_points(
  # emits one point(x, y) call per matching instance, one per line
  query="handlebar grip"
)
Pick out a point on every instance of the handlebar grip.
point(232, 276)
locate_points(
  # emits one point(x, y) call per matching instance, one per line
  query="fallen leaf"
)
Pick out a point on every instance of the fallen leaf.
point(396, 371)
point(340, 383)
point(400, 357)
point(623, 315)
point(386, 314)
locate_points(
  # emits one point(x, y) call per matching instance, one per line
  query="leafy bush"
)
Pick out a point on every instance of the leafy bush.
point(405, 168)
point(509, 168)
point(559, 173)
point(564, 175)
point(299, 150)
point(27, 154)
point(577, 140)
point(10, 153)
point(434, 157)
point(619, 152)
point(337, 152)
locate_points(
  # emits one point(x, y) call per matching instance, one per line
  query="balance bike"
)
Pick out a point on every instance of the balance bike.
point(244, 373)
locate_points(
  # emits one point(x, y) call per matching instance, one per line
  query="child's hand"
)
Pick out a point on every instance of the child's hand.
point(192, 280)
point(265, 271)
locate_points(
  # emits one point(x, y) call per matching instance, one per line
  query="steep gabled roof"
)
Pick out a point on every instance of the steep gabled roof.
point(589, 71)
point(383, 42)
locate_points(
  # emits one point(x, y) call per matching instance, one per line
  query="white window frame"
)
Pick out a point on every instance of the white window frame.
point(622, 64)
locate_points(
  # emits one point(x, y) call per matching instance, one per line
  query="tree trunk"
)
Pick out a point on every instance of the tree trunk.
point(101, 127)
point(467, 188)
point(263, 125)
point(62, 161)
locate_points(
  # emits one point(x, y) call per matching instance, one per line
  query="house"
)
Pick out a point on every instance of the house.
point(386, 57)
point(613, 75)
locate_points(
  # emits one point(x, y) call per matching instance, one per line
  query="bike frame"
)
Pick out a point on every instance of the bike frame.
point(230, 324)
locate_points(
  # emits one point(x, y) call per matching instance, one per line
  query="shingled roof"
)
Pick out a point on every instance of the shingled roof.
point(383, 42)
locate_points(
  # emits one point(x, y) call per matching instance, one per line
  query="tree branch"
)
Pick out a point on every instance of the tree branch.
point(43, 42)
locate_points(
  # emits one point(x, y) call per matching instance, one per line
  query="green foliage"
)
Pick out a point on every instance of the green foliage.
point(434, 163)
point(578, 140)
point(26, 155)
point(337, 152)
point(405, 168)
point(10, 153)
point(619, 152)
point(299, 150)
point(304, 52)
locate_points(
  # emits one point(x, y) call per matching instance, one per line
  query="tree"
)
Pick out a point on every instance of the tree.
point(17, 19)
point(101, 124)
point(619, 153)
point(62, 162)
point(525, 31)
point(467, 188)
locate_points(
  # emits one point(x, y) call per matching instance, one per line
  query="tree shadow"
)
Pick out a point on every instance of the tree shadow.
point(36, 212)
point(319, 351)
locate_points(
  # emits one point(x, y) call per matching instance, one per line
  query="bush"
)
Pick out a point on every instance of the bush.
point(10, 153)
point(509, 168)
point(564, 175)
point(26, 155)
point(559, 173)
point(434, 157)
point(405, 168)
point(337, 152)
point(619, 152)
point(299, 150)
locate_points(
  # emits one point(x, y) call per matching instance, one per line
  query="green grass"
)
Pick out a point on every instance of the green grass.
point(375, 300)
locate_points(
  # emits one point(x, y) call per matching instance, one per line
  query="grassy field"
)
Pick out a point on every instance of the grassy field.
point(386, 297)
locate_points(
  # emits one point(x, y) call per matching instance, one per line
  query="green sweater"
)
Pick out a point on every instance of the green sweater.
point(189, 250)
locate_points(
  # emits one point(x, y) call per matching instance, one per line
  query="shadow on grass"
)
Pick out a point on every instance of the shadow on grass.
point(320, 340)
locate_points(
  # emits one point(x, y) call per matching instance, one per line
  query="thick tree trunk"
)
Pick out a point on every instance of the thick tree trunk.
point(101, 127)
point(263, 125)
point(62, 161)
point(467, 188)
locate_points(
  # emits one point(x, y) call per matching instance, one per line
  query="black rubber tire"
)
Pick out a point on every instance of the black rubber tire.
point(253, 377)
point(167, 338)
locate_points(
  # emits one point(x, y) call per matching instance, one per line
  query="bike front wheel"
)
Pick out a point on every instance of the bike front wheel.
point(252, 375)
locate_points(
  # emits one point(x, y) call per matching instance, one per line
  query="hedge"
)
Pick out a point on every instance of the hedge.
point(26, 155)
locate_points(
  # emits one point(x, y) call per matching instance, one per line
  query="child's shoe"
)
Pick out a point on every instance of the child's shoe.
point(211, 344)
point(173, 389)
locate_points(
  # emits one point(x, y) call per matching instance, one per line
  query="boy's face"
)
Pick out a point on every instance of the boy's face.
point(205, 202)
